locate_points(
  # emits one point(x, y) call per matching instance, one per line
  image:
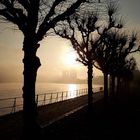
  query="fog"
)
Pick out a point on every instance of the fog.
point(53, 54)
point(53, 50)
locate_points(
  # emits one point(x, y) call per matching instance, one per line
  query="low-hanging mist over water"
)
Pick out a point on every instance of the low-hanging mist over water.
point(11, 93)
point(8, 90)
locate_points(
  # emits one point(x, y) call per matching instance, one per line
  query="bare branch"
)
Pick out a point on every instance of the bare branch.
point(52, 10)
point(14, 15)
point(45, 26)
point(84, 63)
point(25, 4)
point(97, 67)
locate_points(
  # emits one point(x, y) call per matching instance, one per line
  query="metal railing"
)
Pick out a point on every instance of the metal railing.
point(48, 98)
point(12, 105)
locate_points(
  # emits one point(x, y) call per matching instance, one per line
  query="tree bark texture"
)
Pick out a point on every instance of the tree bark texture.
point(113, 85)
point(90, 92)
point(118, 85)
point(31, 65)
point(105, 85)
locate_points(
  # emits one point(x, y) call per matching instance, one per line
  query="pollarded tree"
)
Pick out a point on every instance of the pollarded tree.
point(84, 34)
point(101, 50)
point(78, 29)
point(121, 65)
point(34, 18)
point(125, 75)
point(107, 54)
point(113, 52)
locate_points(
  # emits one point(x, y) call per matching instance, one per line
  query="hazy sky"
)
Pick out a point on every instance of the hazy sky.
point(55, 53)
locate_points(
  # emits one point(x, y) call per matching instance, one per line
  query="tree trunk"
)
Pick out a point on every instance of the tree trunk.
point(113, 85)
point(118, 85)
point(110, 85)
point(31, 65)
point(90, 92)
point(105, 85)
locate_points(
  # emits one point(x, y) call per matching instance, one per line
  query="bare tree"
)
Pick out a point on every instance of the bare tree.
point(106, 55)
point(102, 52)
point(125, 75)
point(121, 64)
point(84, 32)
point(34, 18)
point(113, 52)
point(78, 30)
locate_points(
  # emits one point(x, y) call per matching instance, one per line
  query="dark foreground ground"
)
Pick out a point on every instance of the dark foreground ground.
point(115, 119)
point(11, 125)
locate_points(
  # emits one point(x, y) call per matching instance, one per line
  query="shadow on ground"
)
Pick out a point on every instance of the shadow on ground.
point(115, 119)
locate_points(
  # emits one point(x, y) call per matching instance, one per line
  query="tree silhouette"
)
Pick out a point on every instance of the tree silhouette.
point(34, 18)
point(126, 75)
point(121, 64)
point(78, 29)
point(106, 55)
point(101, 49)
point(112, 55)
point(84, 33)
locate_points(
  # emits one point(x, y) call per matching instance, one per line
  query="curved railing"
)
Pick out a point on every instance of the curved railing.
point(12, 105)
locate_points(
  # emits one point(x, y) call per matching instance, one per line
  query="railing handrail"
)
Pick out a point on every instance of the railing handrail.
point(61, 91)
point(53, 92)
point(11, 98)
point(60, 96)
point(43, 99)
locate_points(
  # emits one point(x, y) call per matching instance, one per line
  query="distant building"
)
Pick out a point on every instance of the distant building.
point(69, 75)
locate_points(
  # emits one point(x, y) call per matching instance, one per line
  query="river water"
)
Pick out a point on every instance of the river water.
point(14, 90)
point(10, 90)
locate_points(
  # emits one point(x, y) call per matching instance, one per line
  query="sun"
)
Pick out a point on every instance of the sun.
point(70, 59)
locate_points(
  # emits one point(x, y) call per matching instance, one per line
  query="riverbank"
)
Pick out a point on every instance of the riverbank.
point(115, 119)
point(11, 125)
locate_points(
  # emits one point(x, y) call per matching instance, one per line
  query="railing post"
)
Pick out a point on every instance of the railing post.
point(56, 97)
point(37, 99)
point(62, 95)
point(76, 93)
point(51, 98)
point(14, 106)
point(66, 95)
point(44, 99)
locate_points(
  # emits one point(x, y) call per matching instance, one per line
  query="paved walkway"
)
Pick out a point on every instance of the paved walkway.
point(11, 125)
point(115, 119)
point(50, 113)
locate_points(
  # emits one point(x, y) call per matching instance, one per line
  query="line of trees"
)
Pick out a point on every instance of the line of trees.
point(34, 18)
point(113, 57)
point(97, 42)
point(101, 44)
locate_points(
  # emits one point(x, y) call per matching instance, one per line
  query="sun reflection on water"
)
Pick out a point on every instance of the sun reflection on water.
point(72, 90)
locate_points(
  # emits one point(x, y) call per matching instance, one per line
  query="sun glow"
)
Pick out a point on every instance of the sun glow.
point(70, 59)
point(72, 90)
